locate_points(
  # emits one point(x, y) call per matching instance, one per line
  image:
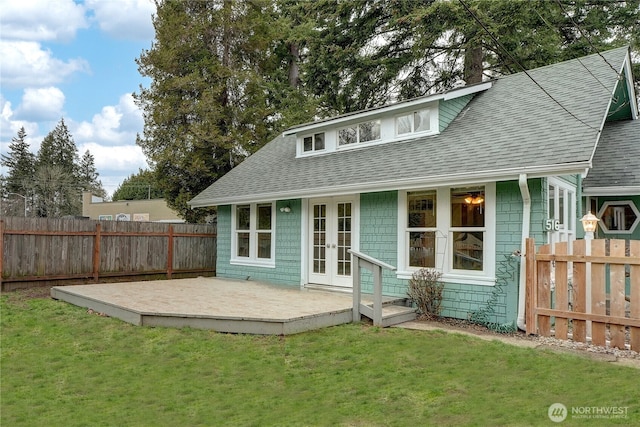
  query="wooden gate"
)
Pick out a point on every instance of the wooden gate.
point(586, 291)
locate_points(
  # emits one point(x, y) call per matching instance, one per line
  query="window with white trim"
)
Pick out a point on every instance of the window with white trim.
point(361, 132)
point(416, 121)
point(313, 142)
point(253, 237)
point(562, 207)
point(451, 229)
point(421, 228)
point(467, 228)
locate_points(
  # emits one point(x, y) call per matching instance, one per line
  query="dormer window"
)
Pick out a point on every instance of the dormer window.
point(361, 132)
point(313, 142)
point(416, 121)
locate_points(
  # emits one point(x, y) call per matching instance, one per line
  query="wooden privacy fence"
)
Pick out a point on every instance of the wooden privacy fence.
point(593, 289)
point(34, 251)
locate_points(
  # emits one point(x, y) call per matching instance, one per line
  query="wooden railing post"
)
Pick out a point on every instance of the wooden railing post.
point(375, 266)
point(96, 252)
point(170, 253)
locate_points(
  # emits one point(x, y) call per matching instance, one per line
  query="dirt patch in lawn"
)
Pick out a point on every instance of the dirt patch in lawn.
point(521, 339)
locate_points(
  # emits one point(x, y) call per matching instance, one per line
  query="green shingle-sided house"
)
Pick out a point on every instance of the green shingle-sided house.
point(454, 181)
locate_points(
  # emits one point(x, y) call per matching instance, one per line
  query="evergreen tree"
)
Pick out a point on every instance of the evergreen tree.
point(138, 186)
point(218, 69)
point(20, 163)
point(58, 188)
point(88, 175)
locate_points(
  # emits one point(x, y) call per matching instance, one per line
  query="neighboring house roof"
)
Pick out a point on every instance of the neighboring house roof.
point(616, 163)
point(511, 128)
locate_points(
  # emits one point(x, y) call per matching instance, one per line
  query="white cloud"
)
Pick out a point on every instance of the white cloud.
point(56, 20)
point(115, 125)
point(42, 104)
point(26, 63)
point(124, 19)
point(9, 127)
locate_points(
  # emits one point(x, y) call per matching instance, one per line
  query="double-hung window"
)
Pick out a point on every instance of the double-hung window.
point(253, 236)
point(451, 229)
point(468, 228)
point(421, 228)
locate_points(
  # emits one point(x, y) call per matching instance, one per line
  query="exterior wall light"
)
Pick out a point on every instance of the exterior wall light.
point(285, 209)
point(589, 223)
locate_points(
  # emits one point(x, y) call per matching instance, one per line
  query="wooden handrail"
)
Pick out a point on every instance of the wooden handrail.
point(375, 266)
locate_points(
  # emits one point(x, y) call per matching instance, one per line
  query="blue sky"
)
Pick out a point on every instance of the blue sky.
point(76, 60)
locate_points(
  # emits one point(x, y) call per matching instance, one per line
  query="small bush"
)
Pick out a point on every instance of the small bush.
point(425, 290)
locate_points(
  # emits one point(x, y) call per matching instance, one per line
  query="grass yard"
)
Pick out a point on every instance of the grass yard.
point(61, 366)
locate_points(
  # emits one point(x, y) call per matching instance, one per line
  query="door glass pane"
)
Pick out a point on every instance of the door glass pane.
point(319, 238)
point(561, 203)
point(468, 250)
point(344, 239)
point(422, 249)
point(552, 203)
point(467, 207)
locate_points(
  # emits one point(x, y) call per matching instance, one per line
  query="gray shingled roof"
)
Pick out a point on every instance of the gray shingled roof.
point(512, 128)
point(616, 162)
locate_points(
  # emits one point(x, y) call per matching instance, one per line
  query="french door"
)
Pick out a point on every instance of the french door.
point(331, 234)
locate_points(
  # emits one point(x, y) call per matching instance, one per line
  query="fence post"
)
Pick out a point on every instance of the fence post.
point(1, 248)
point(96, 253)
point(170, 253)
point(530, 291)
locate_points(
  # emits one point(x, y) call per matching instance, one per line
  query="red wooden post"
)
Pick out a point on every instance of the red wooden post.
point(96, 253)
point(170, 253)
point(531, 287)
point(1, 249)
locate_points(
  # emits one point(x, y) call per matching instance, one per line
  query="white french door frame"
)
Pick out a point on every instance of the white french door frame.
point(332, 246)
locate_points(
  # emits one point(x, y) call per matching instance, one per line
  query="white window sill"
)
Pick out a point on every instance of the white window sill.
point(253, 263)
point(455, 278)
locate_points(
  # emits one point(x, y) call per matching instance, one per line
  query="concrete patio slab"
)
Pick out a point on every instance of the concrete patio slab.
point(224, 305)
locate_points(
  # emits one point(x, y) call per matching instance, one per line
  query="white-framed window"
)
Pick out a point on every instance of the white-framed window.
point(562, 207)
point(313, 142)
point(621, 217)
point(252, 240)
point(413, 122)
point(361, 132)
point(451, 229)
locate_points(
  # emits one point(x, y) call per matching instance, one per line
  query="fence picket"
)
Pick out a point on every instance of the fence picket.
point(544, 291)
point(617, 291)
point(562, 291)
point(579, 292)
point(634, 298)
point(598, 293)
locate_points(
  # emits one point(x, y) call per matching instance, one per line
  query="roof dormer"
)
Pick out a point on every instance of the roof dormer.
point(406, 120)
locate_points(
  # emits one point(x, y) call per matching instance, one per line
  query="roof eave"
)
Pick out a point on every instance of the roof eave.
point(419, 182)
point(611, 191)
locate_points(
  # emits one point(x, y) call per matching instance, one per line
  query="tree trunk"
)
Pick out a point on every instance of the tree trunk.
point(294, 68)
point(473, 65)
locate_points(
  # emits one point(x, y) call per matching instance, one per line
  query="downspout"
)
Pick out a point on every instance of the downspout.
point(526, 221)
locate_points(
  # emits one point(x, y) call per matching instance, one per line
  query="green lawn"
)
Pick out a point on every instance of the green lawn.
point(61, 366)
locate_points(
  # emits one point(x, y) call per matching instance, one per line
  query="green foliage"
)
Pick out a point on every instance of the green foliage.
point(138, 186)
point(62, 366)
point(425, 290)
point(52, 181)
point(218, 70)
